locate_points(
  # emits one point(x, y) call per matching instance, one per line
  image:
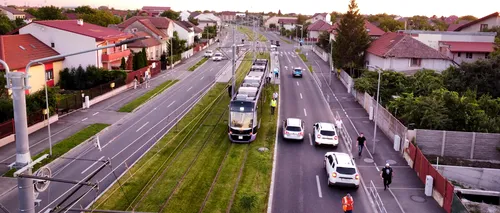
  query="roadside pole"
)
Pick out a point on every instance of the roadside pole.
point(233, 61)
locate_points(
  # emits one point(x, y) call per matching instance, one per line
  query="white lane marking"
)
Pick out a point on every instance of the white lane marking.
point(155, 108)
point(142, 126)
point(202, 77)
point(300, 95)
point(397, 201)
point(170, 104)
point(319, 186)
point(84, 119)
point(189, 89)
point(297, 83)
point(310, 139)
point(92, 165)
point(305, 113)
point(376, 167)
point(95, 113)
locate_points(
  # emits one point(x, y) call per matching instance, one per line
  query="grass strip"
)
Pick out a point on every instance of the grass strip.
point(303, 57)
point(139, 175)
point(65, 145)
point(129, 107)
point(297, 50)
point(201, 62)
point(286, 41)
point(310, 68)
point(253, 190)
point(250, 34)
point(262, 38)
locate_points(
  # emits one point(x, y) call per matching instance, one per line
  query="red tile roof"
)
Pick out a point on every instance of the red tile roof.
point(402, 46)
point(372, 29)
point(148, 24)
point(158, 22)
point(228, 13)
point(17, 57)
point(287, 21)
point(12, 10)
point(474, 47)
point(87, 29)
point(183, 26)
point(149, 42)
point(319, 25)
point(317, 14)
point(155, 8)
point(496, 14)
point(189, 24)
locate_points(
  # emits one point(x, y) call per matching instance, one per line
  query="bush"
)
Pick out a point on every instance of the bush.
point(82, 79)
point(175, 57)
point(35, 103)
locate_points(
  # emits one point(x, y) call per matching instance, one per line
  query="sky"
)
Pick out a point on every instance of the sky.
point(478, 8)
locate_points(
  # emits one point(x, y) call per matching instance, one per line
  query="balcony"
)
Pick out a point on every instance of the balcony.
point(115, 56)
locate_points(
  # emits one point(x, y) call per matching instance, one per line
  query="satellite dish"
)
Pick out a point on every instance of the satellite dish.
point(42, 185)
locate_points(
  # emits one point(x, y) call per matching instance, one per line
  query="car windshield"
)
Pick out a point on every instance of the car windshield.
point(298, 70)
point(218, 54)
point(208, 51)
point(293, 128)
point(241, 120)
point(346, 171)
point(327, 133)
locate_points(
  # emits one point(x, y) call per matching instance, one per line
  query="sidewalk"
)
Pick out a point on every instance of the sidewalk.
point(102, 112)
point(406, 193)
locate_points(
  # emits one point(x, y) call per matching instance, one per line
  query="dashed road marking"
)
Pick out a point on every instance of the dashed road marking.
point(310, 139)
point(92, 165)
point(305, 112)
point(189, 89)
point(300, 95)
point(142, 126)
point(319, 187)
point(84, 119)
point(95, 113)
point(170, 104)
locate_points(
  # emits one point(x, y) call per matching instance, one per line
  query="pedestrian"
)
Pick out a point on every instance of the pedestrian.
point(347, 203)
point(338, 124)
point(273, 106)
point(276, 73)
point(361, 143)
point(275, 96)
point(269, 77)
point(135, 82)
point(230, 91)
point(386, 174)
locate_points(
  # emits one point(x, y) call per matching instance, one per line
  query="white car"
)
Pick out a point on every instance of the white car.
point(208, 53)
point(293, 128)
point(325, 133)
point(217, 57)
point(341, 170)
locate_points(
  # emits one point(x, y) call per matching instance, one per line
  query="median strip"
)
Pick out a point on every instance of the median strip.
point(286, 41)
point(129, 107)
point(201, 62)
point(65, 145)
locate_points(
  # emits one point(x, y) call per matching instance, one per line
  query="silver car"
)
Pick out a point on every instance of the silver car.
point(293, 128)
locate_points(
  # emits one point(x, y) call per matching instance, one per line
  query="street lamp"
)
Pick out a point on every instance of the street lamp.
point(379, 70)
point(19, 82)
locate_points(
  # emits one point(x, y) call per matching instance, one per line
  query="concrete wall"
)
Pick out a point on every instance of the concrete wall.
point(480, 178)
point(462, 57)
point(187, 54)
point(468, 145)
point(321, 53)
point(274, 20)
point(432, 39)
point(33, 128)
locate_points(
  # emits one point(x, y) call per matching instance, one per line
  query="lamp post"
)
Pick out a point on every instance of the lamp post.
point(19, 82)
point(46, 111)
point(379, 70)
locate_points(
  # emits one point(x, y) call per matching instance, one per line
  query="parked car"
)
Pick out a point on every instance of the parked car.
point(341, 170)
point(297, 71)
point(217, 57)
point(325, 133)
point(278, 43)
point(293, 128)
point(208, 53)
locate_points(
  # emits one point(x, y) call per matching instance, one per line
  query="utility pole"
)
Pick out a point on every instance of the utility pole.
point(331, 61)
point(172, 52)
point(234, 61)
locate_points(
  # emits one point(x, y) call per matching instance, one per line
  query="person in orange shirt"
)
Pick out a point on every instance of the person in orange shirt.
point(347, 203)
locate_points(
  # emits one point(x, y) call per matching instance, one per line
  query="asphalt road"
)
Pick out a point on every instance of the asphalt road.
point(301, 182)
point(125, 141)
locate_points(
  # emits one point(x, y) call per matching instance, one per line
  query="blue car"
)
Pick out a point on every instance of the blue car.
point(297, 72)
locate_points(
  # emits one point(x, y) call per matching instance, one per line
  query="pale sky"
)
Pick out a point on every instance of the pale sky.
point(478, 8)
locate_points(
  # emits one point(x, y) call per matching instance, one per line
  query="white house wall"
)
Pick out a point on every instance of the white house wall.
point(184, 34)
point(314, 34)
point(289, 26)
point(403, 64)
point(184, 15)
point(432, 40)
point(491, 22)
point(274, 20)
point(66, 42)
point(462, 58)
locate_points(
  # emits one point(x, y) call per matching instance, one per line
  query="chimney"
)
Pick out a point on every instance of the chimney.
point(79, 22)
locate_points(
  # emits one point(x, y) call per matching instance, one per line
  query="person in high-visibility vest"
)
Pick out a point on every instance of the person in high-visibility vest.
point(273, 106)
point(347, 203)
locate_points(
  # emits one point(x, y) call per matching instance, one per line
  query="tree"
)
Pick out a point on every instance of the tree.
point(425, 81)
point(178, 45)
point(84, 10)
point(171, 15)
point(100, 17)
point(209, 32)
point(334, 16)
point(420, 23)
point(49, 13)
point(386, 22)
point(324, 41)
point(467, 18)
point(273, 26)
point(31, 11)
point(279, 13)
point(352, 40)
point(193, 21)
point(301, 19)
point(123, 64)
point(196, 39)
point(5, 24)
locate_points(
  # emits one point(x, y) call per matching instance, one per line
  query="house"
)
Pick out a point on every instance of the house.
point(466, 51)
point(227, 16)
point(208, 19)
point(319, 16)
point(184, 15)
point(317, 28)
point(18, 50)
point(373, 31)
point(70, 36)
point(184, 32)
point(153, 47)
point(274, 20)
point(479, 25)
point(432, 38)
point(453, 27)
point(402, 53)
point(163, 24)
point(288, 24)
point(194, 15)
point(154, 11)
point(12, 13)
point(197, 32)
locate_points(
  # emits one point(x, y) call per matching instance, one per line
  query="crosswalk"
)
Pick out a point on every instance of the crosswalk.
point(289, 53)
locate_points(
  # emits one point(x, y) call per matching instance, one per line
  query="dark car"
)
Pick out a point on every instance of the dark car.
point(277, 43)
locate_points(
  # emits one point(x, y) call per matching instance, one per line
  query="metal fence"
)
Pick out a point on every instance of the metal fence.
point(376, 198)
point(457, 206)
point(8, 127)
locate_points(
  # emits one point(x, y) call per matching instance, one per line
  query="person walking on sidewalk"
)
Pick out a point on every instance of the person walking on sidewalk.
point(361, 143)
point(386, 174)
point(275, 95)
point(276, 73)
point(269, 77)
point(347, 203)
point(338, 124)
point(273, 106)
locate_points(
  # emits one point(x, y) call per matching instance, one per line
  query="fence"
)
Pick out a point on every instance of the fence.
point(457, 206)
point(443, 190)
point(468, 145)
point(8, 127)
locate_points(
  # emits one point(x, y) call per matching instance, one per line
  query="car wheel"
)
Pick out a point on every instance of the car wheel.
point(324, 165)
point(328, 182)
point(356, 187)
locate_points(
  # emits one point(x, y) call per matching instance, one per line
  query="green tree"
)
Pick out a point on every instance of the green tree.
point(419, 23)
point(386, 22)
point(209, 32)
point(334, 16)
point(324, 41)
point(272, 26)
point(193, 21)
point(352, 40)
point(100, 17)
point(425, 81)
point(49, 13)
point(171, 15)
point(31, 11)
point(85, 10)
point(5, 24)
point(178, 45)
point(123, 64)
point(301, 19)
point(467, 18)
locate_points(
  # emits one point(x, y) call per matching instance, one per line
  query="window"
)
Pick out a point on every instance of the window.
point(52, 45)
point(468, 55)
point(49, 74)
point(327, 133)
point(415, 62)
point(346, 170)
point(483, 27)
point(459, 54)
point(330, 159)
